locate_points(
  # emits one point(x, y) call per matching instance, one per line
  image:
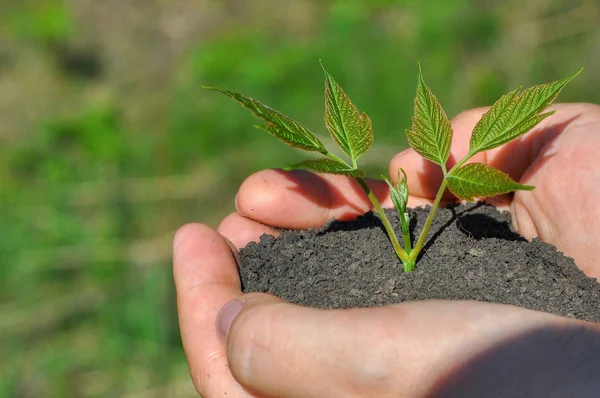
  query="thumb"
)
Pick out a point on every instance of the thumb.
point(277, 349)
point(427, 348)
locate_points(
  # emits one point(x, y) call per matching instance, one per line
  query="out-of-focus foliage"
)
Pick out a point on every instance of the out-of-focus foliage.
point(108, 144)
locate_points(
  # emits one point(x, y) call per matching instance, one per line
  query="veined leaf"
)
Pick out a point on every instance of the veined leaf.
point(326, 165)
point(514, 114)
point(477, 180)
point(431, 133)
point(350, 129)
point(281, 126)
point(399, 191)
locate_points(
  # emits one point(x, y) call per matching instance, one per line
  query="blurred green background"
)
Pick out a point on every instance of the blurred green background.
point(108, 144)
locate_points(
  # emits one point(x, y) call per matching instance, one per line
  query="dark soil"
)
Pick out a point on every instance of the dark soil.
point(471, 253)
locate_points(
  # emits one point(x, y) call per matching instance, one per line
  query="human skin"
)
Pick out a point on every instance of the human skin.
point(260, 346)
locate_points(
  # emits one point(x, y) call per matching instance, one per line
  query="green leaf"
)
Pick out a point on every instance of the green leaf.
point(350, 129)
point(514, 114)
point(431, 133)
point(281, 126)
point(477, 180)
point(327, 165)
point(399, 191)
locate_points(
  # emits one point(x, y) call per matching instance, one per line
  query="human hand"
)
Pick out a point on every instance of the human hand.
point(412, 349)
point(560, 157)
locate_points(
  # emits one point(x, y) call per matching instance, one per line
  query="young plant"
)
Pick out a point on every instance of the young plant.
point(510, 117)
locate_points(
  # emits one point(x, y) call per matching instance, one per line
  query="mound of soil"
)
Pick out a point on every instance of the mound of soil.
point(471, 254)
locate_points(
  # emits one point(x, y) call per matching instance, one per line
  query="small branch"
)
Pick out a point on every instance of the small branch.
point(425, 230)
point(388, 227)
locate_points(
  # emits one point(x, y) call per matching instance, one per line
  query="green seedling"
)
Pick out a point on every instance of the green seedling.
point(510, 117)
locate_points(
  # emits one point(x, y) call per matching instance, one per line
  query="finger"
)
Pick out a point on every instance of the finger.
point(566, 177)
point(301, 199)
point(391, 351)
point(514, 158)
point(424, 177)
point(241, 230)
point(205, 278)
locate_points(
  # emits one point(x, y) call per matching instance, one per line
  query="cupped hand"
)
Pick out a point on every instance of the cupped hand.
point(262, 347)
point(560, 157)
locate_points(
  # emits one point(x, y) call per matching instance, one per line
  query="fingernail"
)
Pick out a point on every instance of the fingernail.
point(237, 207)
point(226, 317)
point(234, 252)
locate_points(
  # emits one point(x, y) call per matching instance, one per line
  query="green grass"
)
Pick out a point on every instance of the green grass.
point(93, 185)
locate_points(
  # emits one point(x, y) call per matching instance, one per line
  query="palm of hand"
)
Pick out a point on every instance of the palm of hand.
point(564, 209)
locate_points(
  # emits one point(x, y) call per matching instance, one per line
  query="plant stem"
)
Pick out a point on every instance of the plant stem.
point(332, 156)
point(417, 249)
point(405, 233)
point(388, 227)
point(436, 203)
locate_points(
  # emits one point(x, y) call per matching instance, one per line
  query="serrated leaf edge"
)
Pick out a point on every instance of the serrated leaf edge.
point(340, 131)
point(303, 131)
point(343, 170)
point(456, 177)
point(440, 141)
point(535, 117)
